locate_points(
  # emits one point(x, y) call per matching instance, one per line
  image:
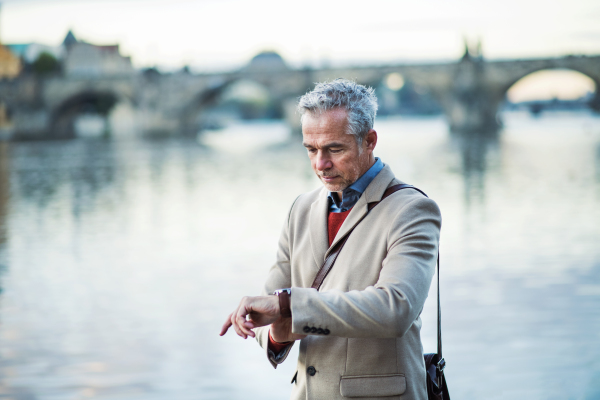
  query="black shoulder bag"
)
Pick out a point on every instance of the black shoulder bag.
point(434, 362)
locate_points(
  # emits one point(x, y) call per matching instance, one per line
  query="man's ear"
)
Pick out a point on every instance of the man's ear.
point(370, 140)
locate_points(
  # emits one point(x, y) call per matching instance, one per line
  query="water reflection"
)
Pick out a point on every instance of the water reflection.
point(48, 171)
point(4, 193)
point(4, 198)
point(474, 149)
point(125, 255)
point(598, 162)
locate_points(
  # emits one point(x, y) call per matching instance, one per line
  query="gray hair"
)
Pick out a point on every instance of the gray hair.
point(359, 101)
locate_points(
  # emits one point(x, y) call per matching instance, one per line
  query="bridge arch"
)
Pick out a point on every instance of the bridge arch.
point(235, 99)
point(88, 101)
point(587, 83)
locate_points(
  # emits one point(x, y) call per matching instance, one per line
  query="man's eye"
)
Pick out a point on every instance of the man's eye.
point(312, 150)
point(335, 150)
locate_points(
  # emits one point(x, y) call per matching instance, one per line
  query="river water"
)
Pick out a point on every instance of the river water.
point(119, 260)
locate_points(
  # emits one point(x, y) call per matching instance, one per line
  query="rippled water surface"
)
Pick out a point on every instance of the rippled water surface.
point(119, 260)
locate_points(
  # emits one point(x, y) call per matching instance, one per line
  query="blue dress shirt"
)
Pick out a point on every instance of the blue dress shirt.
point(352, 193)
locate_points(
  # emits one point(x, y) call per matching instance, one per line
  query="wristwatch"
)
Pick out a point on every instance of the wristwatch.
point(284, 302)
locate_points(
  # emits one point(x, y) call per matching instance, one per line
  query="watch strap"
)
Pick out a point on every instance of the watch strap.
point(284, 302)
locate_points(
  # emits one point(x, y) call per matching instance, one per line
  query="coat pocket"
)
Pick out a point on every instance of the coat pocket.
point(372, 385)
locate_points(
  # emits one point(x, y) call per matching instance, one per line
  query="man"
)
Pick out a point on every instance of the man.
point(359, 332)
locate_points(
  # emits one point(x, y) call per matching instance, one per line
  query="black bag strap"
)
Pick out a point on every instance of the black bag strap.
point(330, 260)
point(439, 315)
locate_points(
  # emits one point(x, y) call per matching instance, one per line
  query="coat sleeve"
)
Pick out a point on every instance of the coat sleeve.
point(279, 277)
point(390, 307)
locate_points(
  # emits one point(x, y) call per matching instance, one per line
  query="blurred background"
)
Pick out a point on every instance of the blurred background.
point(150, 151)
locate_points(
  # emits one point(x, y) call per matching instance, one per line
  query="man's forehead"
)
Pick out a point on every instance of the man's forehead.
point(321, 138)
point(326, 129)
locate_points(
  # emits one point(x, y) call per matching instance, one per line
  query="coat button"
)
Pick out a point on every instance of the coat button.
point(326, 332)
point(311, 371)
point(313, 330)
point(306, 329)
point(320, 331)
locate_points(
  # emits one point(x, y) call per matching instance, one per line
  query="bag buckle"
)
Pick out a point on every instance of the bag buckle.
point(440, 365)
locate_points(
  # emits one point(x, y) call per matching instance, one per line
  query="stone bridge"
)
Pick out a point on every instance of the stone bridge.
point(470, 92)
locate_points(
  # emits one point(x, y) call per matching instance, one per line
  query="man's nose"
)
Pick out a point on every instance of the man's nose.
point(323, 161)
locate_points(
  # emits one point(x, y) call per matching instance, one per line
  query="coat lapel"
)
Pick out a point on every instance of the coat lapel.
point(373, 192)
point(319, 211)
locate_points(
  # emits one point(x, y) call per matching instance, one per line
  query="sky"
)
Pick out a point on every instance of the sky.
point(222, 34)
point(214, 35)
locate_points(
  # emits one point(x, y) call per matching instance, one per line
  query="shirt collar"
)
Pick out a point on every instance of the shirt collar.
point(352, 193)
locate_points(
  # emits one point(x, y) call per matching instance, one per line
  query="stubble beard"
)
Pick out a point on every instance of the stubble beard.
point(343, 180)
point(340, 186)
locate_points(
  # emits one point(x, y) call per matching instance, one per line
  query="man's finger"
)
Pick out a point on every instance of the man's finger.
point(241, 321)
point(226, 326)
point(249, 325)
point(236, 327)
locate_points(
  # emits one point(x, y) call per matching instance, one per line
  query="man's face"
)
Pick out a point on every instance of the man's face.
point(334, 155)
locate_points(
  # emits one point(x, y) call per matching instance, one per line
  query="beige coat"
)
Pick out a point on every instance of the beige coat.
point(366, 314)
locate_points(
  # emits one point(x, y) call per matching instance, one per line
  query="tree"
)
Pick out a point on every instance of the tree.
point(46, 63)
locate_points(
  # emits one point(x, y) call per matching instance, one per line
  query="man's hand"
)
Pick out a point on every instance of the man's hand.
point(281, 331)
point(260, 310)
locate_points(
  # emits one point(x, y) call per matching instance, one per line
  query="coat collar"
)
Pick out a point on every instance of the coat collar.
point(319, 211)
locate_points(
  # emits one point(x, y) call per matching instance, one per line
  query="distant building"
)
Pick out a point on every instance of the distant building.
point(70, 39)
point(10, 64)
point(85, 59)
point(267, 61)
point(78, 57)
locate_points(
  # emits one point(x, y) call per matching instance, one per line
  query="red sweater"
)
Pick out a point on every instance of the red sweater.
point(334, 223)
